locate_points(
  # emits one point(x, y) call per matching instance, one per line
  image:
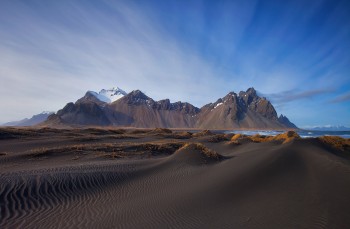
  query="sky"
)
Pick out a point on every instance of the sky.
point(294, 53)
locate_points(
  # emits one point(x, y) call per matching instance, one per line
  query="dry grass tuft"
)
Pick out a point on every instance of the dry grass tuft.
point(260, 138)
point(286, 137)
point(336, 142)
point(139, 131)
point(202, 133)
point(10, 132)
point(72, 149)
point(161, 131)
point(103, 131)
point(229, 136)
point(236, 137)
point(181, 135)
point(86, 139)
point(109, 150)
point(207, 153)
point(49, 130)
point(218, 138)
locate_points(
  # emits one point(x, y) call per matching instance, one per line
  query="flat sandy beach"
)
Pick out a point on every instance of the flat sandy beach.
point(113, 178)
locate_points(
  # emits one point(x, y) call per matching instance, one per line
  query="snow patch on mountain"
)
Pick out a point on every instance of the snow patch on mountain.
point(109, 95)
point(218, 105)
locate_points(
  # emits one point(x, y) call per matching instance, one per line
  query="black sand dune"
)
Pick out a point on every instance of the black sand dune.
point(147, 180)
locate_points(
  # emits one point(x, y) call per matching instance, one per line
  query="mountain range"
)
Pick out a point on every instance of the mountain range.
point(34, 120)
point(328, 128)
point(115, 107)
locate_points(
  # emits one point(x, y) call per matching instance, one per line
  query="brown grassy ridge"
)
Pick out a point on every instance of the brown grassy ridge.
point(178, 135)
point(339, 143)
point(89, 138)
point(23, 132)
point(205, 152)
point(203, 133)
point(10, 133)
point(139, 131)
point(109, 150)
point(284, 138)
point(235, 137)
point(161, 131)
point(218, 138)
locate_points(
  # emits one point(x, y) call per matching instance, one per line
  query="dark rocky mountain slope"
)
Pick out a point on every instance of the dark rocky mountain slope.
point(243, 110)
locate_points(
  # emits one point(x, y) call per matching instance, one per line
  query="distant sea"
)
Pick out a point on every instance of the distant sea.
point(302, 133)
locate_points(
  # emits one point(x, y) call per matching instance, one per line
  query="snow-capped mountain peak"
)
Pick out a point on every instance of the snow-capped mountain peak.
point(328, 128)
point(109, 95)
point(47, 112)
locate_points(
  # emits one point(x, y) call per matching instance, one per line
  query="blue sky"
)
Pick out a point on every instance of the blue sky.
point(295, 53)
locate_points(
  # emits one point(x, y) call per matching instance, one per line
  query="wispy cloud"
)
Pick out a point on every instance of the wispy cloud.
point(292, 95)
point(55, 64)
point(341, 98)
point(52, 53)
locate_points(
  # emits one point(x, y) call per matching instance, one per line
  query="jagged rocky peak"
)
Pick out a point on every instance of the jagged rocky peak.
point(137, 97)
point(186, 108)
point(249, 96)
point(265, 108)
point(229, 97)
point(90, 96)
point(137, 94)
point(251, 91)
point(284, 120)
point(164, 104)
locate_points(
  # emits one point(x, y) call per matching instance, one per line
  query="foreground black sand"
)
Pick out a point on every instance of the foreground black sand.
point(99, 178)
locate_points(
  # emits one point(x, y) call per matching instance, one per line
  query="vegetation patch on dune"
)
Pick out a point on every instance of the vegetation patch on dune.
point(203, 133)
point(260, 138)
point(218, 138)
point(235, 138)
point(180, 135)
point(284, 138)
point(45, 152)
point(139, 131)
point(110, 150)
point(15, 133)
point(103, 131)
point(205, 152)
point(336, 142)
point(161, 131)
point(90, 138)
point(9, 133)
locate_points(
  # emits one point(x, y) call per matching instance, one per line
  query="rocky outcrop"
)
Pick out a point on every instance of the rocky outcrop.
point(83, 112)
point(285, 121)
point(245, 110)
point(138, 110)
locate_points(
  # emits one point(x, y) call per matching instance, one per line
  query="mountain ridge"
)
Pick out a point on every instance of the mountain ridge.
point(135, 109)
point(34, 120)
point(328, 128)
